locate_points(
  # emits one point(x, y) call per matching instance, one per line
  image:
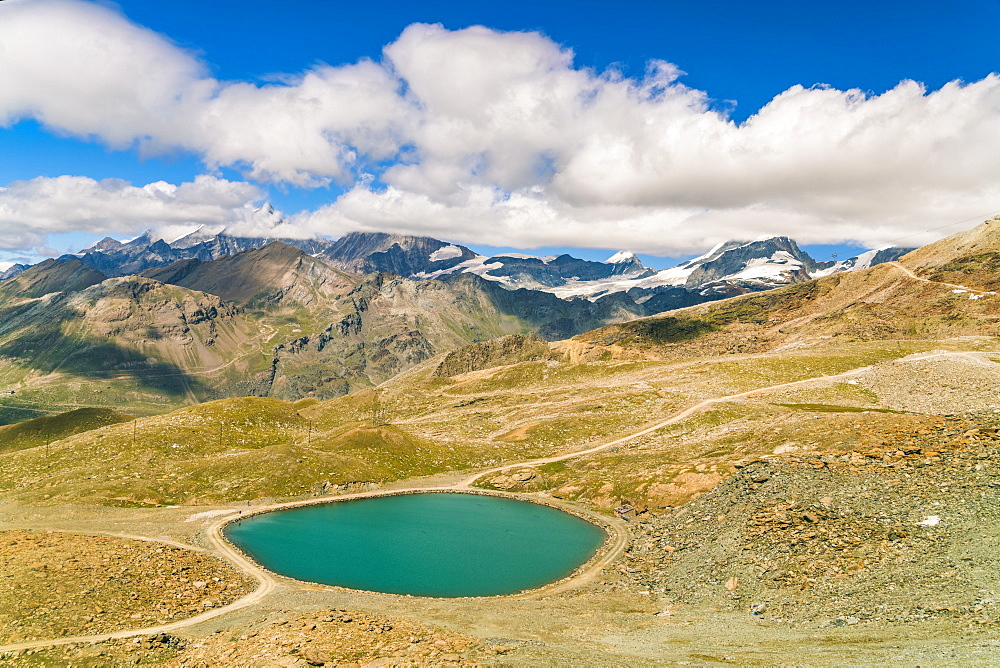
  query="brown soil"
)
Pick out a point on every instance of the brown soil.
point(56, 584)
point(335, 638)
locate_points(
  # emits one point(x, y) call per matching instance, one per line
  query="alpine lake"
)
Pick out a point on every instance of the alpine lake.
point(425, 544)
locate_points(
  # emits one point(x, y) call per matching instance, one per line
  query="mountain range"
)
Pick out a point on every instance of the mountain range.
point(211, 315)
point(730, 268)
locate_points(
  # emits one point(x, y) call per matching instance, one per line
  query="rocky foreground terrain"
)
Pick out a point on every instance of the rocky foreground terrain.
point(898, 532)
point(55, 582)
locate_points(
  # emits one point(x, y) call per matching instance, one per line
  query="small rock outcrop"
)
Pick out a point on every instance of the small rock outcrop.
point(508, 349)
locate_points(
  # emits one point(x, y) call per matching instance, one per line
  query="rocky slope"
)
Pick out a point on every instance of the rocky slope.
point(897, 529)
point(48, 277)
point(268, 275)
point(123, 342)
point(388, 324)
point(509, 349)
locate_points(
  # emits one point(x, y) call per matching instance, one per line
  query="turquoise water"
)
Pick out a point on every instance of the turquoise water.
point(421, 544)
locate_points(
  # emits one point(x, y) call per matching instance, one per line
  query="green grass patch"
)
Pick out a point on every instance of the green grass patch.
point(45, 429)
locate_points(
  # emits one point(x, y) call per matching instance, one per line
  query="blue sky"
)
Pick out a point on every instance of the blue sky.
point(669, 153)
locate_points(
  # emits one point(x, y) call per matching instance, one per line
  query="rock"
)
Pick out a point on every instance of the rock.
point(732, 583)
point(388, 662)
point(315, 657)
point(758, 608)
point(289, 662)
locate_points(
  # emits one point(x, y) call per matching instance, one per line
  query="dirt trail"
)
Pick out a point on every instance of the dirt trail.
point(909, 272)
point(684, 415)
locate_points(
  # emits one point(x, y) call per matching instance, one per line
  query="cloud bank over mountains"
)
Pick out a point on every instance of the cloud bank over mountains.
point(485, 137)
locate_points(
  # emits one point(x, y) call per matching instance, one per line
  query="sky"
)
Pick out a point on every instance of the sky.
point(654, 126)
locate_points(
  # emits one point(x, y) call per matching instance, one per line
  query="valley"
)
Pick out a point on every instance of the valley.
point(806, 475)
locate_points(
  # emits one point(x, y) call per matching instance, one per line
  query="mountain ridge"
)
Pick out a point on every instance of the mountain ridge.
point(730, 268)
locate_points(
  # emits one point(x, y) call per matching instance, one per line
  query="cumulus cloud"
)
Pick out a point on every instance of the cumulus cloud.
point(498, 137)
point(84, 69)
point(30, 210)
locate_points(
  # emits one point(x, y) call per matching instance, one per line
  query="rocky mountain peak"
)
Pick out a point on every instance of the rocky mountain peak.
point(104, 245)
point(366, 252)
point(775, 260)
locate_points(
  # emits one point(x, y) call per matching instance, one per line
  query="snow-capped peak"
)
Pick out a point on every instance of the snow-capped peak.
point(621, 257)
point(199, 235)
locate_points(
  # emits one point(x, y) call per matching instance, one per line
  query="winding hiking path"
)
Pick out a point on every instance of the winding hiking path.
point(267, 582)
point(909, 272)
point(684, 414)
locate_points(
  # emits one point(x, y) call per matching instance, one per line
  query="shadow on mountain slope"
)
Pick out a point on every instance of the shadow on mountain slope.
point(49, 350)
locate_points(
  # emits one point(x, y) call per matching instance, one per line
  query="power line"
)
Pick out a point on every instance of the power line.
point(934, 229)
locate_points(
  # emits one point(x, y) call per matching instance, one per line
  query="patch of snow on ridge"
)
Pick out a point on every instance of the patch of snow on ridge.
point(674, 276)
point(479, 265)
point(591, 289)
point(773, 267)
point(620, 257)
point(445, 253)
point(524, 256)
point(473, 266)
point(864, 261)
point(598, 288)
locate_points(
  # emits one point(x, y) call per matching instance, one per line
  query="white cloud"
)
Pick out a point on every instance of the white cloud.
point(85, 70)
point(489, 137)
point(30, 210)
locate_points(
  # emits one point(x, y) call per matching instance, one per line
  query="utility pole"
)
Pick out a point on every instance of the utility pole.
point(135, 431)
point(309, 436)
